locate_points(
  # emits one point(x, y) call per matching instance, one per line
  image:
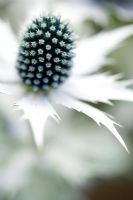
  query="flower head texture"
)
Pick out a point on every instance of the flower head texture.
point(45, 54)
point(47, 68)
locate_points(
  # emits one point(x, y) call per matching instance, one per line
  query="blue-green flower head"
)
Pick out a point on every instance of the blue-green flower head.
point(46, 53)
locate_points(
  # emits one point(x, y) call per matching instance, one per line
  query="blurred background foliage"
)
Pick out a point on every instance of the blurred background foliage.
point(79, 160)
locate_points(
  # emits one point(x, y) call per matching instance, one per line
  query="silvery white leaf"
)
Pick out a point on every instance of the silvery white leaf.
point(92, 53)
point(37, 109)
point(97, 115)
point(15, 89)
point(99, 88)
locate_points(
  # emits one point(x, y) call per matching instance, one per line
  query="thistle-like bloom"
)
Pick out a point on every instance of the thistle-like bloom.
point(52, 70)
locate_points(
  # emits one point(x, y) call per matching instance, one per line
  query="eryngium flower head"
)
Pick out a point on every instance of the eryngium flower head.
point(83, 84)
point(45, 54)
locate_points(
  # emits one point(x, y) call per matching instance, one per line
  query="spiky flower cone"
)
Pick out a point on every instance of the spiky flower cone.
point(45, 54)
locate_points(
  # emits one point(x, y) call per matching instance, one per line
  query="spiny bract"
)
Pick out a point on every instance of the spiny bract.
point(45, 54)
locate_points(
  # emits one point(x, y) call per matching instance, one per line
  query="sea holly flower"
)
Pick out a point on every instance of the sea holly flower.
point(50, 69)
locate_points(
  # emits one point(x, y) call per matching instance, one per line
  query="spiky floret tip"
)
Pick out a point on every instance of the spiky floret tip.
point(45, 54)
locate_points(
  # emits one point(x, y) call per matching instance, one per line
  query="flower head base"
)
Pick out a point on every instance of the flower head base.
point(45, 54)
